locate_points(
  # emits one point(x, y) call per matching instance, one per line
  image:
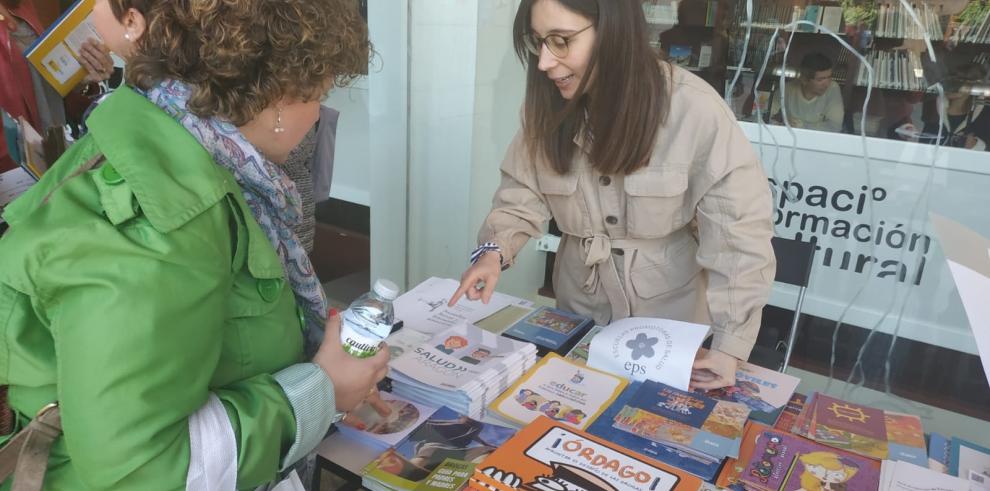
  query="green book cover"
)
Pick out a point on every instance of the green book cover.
point(451, 475)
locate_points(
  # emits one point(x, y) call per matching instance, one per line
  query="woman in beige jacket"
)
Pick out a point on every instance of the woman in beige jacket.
point(664, 207)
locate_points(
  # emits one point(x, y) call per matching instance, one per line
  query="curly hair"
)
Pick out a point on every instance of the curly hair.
point(241, 56)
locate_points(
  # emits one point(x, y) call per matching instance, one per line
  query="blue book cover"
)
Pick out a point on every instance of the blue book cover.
point(939, 448)
point(694, 421)
point(550, 329)
point(697, 464)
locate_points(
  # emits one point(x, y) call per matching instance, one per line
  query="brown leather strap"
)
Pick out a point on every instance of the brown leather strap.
point(26, 454)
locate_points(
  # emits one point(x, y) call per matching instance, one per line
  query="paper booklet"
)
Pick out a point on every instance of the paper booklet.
point(696, 463)
point(682, 419)
point(766, 392)
point(641, 348)
point(559, 390)
point(905, 476)
point(464, 366)
point(970, 461)
point(366, 425)
point(439, 450)
point(55, 54)
point(549, 455)
point(424, 308)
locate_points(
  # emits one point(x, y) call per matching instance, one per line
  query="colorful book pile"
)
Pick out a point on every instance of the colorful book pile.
point(689, 421)
point(765, 392)
point(863, 430)
point(463, 367)
point(773, 460)
point(438, 454)
point(560, 390)
point(549, 455)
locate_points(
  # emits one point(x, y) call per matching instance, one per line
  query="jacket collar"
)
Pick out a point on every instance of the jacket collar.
point(172, 176)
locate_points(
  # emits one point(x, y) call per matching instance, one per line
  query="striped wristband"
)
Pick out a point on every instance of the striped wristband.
point(487, 247)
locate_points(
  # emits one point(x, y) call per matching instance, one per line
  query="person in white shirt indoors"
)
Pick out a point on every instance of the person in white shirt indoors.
point(813, 101)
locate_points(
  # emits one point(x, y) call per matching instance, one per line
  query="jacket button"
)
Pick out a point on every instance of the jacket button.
point(611, 220)
point(605, 180)
point(110, 175)
point(269, 289)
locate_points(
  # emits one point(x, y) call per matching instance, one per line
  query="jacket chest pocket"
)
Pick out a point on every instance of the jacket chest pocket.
point(657, 202)
point(564, 200)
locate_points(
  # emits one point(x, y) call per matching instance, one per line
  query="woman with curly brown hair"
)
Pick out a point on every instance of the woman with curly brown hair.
point(152, 285)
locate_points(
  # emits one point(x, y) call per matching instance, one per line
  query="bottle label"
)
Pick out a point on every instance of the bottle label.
point(359, 337)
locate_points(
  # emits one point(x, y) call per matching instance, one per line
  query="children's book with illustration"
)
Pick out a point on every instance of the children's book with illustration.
point(765, 392)
point(579, 353)
point(366, 425)
point(464, 367)
point(691, 420)
point(697, 463)
point(549, 455)
point(785, 421)
point(550, 329)
point(783, 462)
point(451, 475)
point(440, 446)
point(55, 54)
point(560, 390)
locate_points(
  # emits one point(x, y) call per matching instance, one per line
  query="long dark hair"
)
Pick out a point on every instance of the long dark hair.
point(626, 101)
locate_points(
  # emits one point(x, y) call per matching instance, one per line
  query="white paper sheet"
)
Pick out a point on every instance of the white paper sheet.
point(905, 476)
point(13, 183)
point(424, 308)
point(968, 255)
point(642, 348)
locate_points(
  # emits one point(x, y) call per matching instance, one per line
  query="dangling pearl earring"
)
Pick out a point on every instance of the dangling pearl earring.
point(278, 121)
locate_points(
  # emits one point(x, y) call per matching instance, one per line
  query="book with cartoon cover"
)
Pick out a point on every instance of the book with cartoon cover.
point(550, 329)
point(697, 463)
point(446, 435)
point(579, 353)
point(783, 462)
point(549, 455)
point(668, 415)
point(766, 392)
point(560, 390)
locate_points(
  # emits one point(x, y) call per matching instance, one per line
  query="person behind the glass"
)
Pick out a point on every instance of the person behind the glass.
point(814, 100)
point(662, 203)
point(967, 124)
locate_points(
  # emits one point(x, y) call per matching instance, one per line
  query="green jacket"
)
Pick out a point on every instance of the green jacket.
point(129, 292)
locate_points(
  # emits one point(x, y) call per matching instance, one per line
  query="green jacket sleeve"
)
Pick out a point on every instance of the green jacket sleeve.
point(137, 318)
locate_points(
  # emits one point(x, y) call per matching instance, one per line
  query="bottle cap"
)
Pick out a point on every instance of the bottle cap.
point(386, 289)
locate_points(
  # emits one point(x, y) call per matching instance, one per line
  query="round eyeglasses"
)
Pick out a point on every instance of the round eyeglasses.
point(558, 44)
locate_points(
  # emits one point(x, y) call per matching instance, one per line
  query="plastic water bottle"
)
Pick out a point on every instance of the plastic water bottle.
point(368, 320)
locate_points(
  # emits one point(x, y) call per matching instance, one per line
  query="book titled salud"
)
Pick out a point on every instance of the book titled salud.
point(691, 420)
point(464, 367)
point(560, 390)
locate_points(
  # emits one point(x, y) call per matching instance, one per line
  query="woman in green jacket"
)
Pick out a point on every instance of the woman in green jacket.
point(152, 284)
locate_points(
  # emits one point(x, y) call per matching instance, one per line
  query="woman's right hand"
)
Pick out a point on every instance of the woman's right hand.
point(486, 270)
point(354, 379)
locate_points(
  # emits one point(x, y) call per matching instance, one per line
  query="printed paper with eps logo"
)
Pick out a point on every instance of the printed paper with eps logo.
point(641, 348)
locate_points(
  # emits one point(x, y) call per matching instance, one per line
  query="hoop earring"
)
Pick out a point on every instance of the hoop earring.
point(278, 121)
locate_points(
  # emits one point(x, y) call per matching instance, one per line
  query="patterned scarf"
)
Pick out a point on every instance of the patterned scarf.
point(268, 191)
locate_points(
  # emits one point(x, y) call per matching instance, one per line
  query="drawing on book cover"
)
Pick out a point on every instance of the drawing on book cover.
point(446, 435)
point(785, 463)
point(552, 409)
point(556, 321)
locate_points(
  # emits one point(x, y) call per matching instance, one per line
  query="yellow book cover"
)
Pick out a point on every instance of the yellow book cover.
point(56, 52)
point(561, 390)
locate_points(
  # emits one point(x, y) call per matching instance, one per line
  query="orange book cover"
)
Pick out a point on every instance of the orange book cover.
point(549, 455)
point(733, 467)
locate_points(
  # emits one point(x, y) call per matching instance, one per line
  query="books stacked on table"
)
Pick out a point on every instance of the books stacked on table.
point(550, 455)
point(863, 430)
point(560, 390)
point(774, 460)
point(440, 453)
point(463, 367)
point(551, 330)
point(366, 426)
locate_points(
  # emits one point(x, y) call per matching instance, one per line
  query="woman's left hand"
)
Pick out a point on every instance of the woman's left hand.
point(713, 369)
point(95, 58)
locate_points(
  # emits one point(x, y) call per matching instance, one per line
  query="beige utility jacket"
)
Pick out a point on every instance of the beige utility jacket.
point(686, 237)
